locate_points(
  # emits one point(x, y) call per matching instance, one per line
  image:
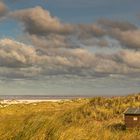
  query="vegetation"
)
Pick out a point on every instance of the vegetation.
point(98, 118)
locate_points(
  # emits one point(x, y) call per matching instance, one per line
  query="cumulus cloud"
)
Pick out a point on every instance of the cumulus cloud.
point(89, 30)
point(39, 21)
point(3, 9)
point(16, 54)
point(23, 60)
point(121, 25)
point(129, 39)
point(43, 27)
point(52, 41)
point(130, 58)
point(46, 30)
point(124, 32)
point(57, 47)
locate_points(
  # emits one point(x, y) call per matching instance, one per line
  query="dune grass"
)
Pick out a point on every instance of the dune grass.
point(98, 118)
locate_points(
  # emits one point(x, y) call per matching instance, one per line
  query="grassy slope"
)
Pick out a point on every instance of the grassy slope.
point(87, 119)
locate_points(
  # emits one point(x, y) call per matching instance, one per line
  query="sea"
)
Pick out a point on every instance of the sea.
point(39, 97)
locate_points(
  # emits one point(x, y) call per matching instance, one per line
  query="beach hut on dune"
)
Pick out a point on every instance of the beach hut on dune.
point(132, 118)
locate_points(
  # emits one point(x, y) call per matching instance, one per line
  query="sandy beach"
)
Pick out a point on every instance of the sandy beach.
point(19, 101)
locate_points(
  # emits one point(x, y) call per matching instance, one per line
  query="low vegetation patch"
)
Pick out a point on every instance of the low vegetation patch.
point(96, 118)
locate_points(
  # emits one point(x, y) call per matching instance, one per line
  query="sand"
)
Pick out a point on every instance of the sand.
point(10, 102)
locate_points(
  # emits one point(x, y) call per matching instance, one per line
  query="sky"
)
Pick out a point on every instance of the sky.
point(69, 47)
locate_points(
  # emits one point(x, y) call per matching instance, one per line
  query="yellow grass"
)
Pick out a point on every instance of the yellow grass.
point(86, 119)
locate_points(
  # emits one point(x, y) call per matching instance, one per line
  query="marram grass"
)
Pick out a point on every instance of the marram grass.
point(98, 118)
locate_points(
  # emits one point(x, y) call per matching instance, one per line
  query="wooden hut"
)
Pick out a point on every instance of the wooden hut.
point(132, 118)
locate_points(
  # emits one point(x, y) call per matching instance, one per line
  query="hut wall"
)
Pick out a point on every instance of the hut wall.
point(132, 121)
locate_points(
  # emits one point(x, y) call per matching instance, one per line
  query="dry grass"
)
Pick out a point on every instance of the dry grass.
point(86, 119)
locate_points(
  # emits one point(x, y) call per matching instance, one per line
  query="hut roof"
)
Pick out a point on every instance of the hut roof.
point(131, 111)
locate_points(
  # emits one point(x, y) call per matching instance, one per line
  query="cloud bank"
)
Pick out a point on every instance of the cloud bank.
point(18, 58)
point(43, 27)
point(59, 48)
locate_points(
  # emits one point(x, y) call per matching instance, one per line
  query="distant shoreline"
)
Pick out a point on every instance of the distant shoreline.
point(10, 102)
point(40, 97)
point(27, 99)
point(53, 97)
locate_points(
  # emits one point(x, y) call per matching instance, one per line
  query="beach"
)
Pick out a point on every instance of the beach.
point(27, 101)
